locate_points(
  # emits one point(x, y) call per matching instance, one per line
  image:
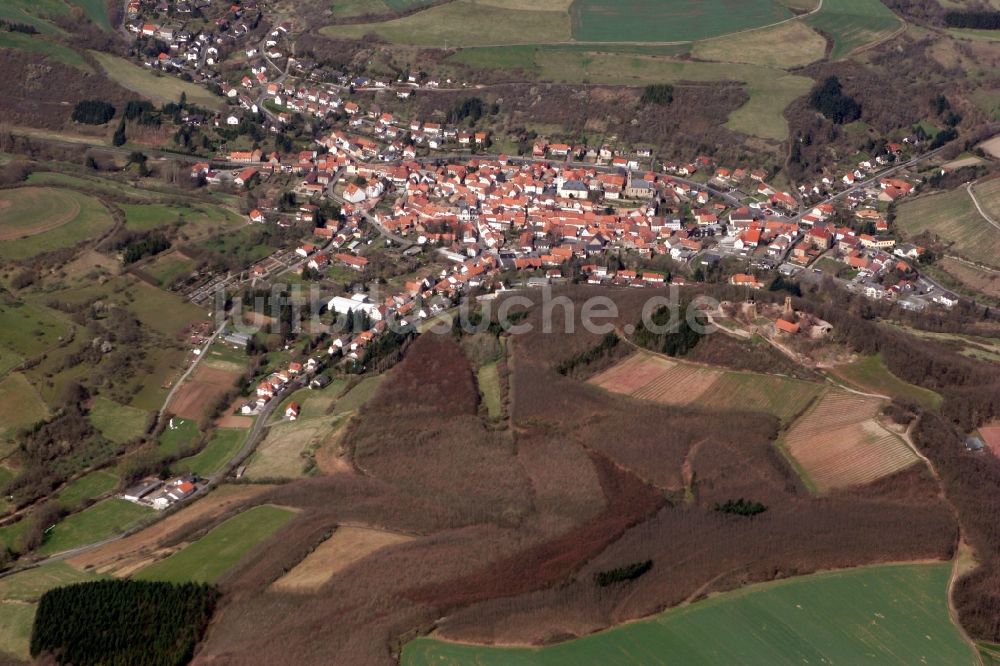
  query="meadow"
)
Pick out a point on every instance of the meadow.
point(800, 46)
point(86, 488)
point(211, 556)
point(179, 437)
point(40, 219)
point(870, 374)
point(346, 546)
point(27, 329)
point(489, 387)
point(852, 24)
point(46, 47)
point(20, 406)
point(19, 594)
point(673, 21)
point(159, 89)
point(103, 520)
point(770, 90)
point(198, 220)
point(953, 217)
point(119, 423)
point(465, 23)
point(886, 615)
point(222, 446)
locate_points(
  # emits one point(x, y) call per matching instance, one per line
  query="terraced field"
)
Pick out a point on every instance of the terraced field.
point(838, 443)
point(654, 378)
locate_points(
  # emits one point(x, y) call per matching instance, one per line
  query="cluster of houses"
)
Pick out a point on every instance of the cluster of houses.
point(159, 494)
point(276, 383)
point(197, 35)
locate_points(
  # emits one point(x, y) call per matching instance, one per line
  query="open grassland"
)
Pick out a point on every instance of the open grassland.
point(838, 443)
point(179, 434)
point(34, 12)
point(800, 46)
point(650, 377)
point(95, 10)
point(87, 488)
point(489, 387)
point(351, 8)
point(19, 594)
point(211, 556)
point(223, 445)
point(670, 20)
point(118, 423)
point(20, 406)
point(284, 452)
point(853, 23)
point(347, 546)
point(953, 217)
point(169, 268)
point(46, 47)
point(160, 89)
point(39, 219)
point(198, 220)
point(126, 555)
point(465, 23)
point(27, 329)
point(361, 393)
point(770, 90)
point(783, 397)
point(162, 310)
point(104, 519)
point(870, 374)
point(878, 615)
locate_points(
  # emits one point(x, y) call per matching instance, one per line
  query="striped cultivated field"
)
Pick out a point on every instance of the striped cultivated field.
point(657, 379)
point(839, 443)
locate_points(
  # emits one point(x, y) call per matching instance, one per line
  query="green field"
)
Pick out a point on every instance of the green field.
point(875, 615)
point(465, 23)
point(870, 374)
point(770, 90)
point(162, 310)
point(783, 397)
point(95, 10)
point(489, 387)
point(34, 12)
point(953, 217)
point(20, 407)
point(47, 47)
point(175, 440)
point(347, 8)
point(198, 220)
point(117, 422)
point(39, 219)
point(26, 330)
point(86, 488)
point(670, 21)
point(223, 445)
point(211, 556)
point(159, 89)
point(169, 268)
point(103, 520)
point(19, 594)
point(853, 23)
point(358, 396)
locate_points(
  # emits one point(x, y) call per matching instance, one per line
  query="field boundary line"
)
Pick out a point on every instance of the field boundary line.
point(975, 202)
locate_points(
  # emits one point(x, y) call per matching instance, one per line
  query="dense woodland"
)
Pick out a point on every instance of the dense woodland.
point(122, 623)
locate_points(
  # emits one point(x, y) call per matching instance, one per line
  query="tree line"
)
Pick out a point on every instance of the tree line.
point(973, 18)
